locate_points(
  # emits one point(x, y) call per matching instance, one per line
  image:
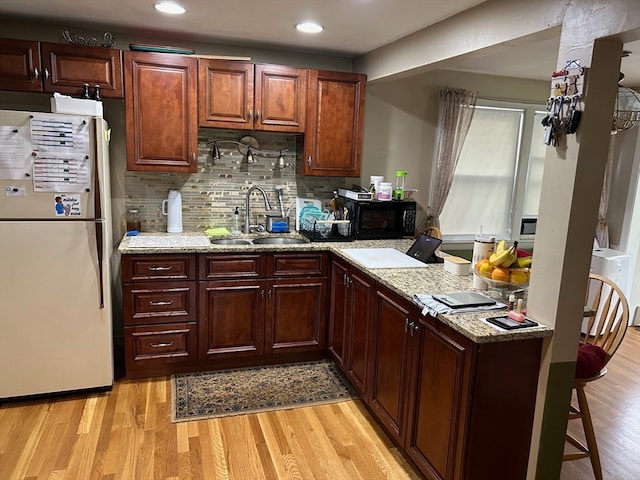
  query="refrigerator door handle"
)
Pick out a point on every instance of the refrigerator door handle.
point(97, 195)
point(99, 248)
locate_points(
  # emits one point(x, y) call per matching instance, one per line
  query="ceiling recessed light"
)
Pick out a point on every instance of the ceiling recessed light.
point(169, 7)
point(309, 27)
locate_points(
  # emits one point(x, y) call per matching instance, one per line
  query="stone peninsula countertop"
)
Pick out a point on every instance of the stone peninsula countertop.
point(406, 282)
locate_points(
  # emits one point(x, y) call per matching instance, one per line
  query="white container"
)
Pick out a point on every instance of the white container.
point(375, 181)
point(385, 189)
point(76, 106)
point(456, 265)
point(172, 208)
point(483, 247)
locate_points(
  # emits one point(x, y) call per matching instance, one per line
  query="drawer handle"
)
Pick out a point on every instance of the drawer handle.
point(156, 304)
point(159, 269)
point(161, 345)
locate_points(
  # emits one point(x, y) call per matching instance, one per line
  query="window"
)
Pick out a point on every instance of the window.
point(499, 174)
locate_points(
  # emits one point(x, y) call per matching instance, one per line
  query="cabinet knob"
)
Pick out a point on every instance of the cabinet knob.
point(309, 160)
point(251, 113)
point(36, 73)
point(46, 73)
point(257, 114)
point(161, 345)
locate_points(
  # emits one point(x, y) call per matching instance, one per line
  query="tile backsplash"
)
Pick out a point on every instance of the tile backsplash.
point(209, 197)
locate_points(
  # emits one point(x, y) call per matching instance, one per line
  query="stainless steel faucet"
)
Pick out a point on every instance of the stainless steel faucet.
point(267, 206)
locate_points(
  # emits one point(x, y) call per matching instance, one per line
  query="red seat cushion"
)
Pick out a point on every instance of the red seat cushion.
point(590, 360)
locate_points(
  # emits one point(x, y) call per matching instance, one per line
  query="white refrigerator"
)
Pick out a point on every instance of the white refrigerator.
point(55, 247)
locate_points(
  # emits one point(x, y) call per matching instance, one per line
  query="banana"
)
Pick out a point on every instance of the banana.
point(513, 258)
point(501, 247)
point(504, 258)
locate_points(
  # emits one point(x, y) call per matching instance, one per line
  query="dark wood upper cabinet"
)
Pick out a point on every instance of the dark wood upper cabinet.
point(335, 117)
point(20, 66)
point(161, 112)
point(246, 96)
point(55, 67)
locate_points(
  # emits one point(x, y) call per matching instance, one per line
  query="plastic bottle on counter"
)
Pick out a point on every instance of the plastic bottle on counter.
point(236, 222)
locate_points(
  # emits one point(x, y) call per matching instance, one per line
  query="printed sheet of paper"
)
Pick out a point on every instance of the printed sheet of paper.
point(15, 154)
point(62, 153)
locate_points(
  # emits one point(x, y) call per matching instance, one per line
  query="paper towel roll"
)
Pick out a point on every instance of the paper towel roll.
point(483, 246)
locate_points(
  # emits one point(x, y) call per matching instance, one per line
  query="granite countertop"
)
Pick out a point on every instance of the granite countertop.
point(406, 282)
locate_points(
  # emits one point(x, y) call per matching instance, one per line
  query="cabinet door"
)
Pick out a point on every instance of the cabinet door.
point(231, 319)
point(161, 112)
point(359, 328)
point(226, 94)
point(280, 98)
point(296, 315)
point(390, 362)
point(20, 65)
point(335, 116)
point(70, 67)
point(338, 314)
point(438, 401)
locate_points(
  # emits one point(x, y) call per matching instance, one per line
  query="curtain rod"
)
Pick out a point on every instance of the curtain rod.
point(506, 100)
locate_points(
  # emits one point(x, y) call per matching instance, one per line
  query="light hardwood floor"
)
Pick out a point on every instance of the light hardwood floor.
point(126, 434)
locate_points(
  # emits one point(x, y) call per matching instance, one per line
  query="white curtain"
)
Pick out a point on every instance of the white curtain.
point(602, 230)
point(454, 118)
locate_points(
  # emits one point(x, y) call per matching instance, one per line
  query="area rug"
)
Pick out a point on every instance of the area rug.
point(241, 391)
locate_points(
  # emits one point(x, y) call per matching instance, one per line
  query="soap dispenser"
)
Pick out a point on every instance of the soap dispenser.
point(236, 222)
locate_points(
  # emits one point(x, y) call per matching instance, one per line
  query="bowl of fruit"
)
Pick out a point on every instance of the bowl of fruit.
point(508, 268)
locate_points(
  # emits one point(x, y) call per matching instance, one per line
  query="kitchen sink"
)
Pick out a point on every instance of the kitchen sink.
point(278, 240)
point(231, 241)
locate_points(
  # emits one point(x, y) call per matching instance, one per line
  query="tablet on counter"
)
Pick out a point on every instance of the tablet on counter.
point(464, 299)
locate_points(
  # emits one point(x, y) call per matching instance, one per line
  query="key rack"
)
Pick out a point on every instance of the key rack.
point(564, 105)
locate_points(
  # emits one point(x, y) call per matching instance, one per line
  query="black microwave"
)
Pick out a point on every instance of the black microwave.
point(374, 219)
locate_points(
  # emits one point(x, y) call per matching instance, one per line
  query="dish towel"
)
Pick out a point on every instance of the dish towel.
point(434, 307)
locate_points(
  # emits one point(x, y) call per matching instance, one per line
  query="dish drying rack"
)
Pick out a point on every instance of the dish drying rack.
point(325, 230)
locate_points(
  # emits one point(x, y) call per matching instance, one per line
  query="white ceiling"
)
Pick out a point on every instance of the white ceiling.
point(352, 27)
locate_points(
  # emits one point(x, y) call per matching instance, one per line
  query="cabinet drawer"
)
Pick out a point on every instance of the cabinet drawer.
point(231, 266)
point(297, 264)
point(140, 268)
point(155, 345)
point(146, 303)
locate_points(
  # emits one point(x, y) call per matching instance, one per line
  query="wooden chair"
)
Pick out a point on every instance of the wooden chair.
point(432, 232)
point(605, 327)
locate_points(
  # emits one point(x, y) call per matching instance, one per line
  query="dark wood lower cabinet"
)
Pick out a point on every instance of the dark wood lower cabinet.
point(296, 310)
point(460, 410)
point(390, 356)
point(441, 364)
point(231, 316)
point(350, 312)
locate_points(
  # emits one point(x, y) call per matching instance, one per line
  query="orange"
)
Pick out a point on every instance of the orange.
point(500, 274)
point(484, 268)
